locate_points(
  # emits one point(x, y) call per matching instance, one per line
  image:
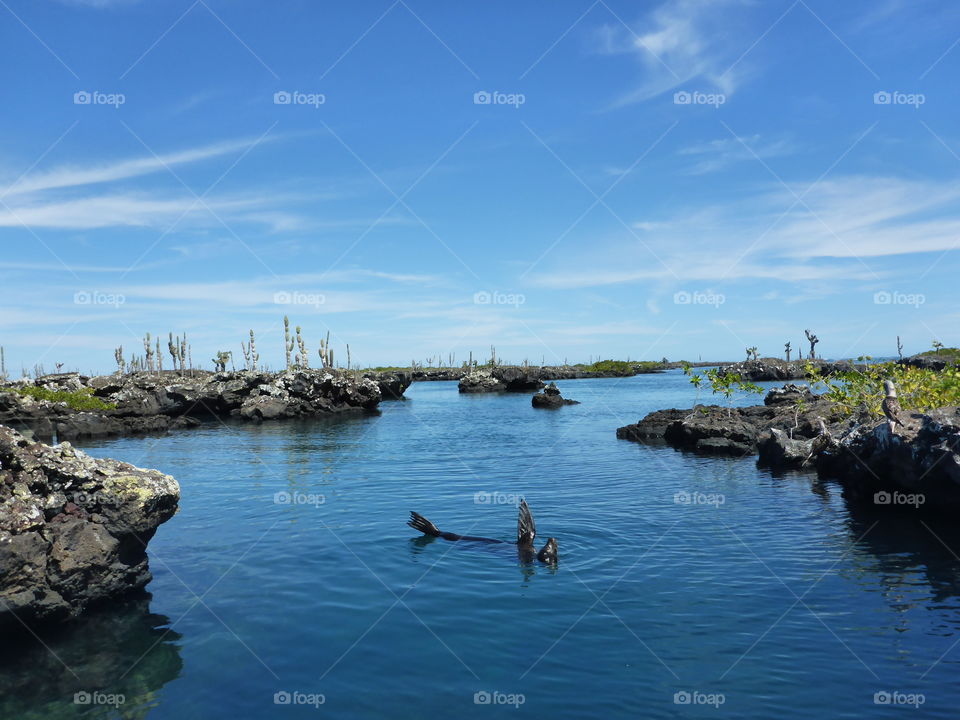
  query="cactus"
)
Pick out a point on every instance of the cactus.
point(3, 365)
point(303, 359)
point(348, 356)
point(813, 342)
point(159, 357)
point(786, 346)
point(183, 351)
point(287, 340)
point(899, 347)
point(118, 356)
point(174, 349)
point(936, 346)
point(493, 356)
point(220, 361)
point(148, 346)
point(326, 352)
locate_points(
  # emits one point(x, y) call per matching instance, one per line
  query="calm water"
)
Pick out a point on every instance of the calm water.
point(781, 599)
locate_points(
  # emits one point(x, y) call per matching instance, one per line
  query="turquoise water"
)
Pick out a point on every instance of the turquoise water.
point(770, 598)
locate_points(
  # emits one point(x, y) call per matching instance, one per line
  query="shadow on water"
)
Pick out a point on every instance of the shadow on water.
point(118, 651)
point(904, 545)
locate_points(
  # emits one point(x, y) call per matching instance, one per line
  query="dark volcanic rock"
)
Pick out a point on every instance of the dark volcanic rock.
point(392, 384)
point(789, 395)
point(733, 431)
point(777, 450)
point(519, 379)
point(156, 402)
point(923, 457)
point(776, 369)
point(550, 398)
point(481, 381)
point(73, 530)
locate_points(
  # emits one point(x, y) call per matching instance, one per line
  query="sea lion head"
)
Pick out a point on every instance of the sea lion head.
point(548, 553)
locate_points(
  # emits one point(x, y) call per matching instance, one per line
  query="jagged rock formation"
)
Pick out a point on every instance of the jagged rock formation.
point(155, 402)
point(550, 398)
point(73, 529)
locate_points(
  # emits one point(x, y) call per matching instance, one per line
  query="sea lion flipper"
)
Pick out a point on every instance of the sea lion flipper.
point(526, 528)
point(419, 522)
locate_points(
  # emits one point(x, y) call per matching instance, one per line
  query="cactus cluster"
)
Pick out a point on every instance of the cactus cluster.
point(813, 339)
point(250, 355)
point(220, 361)
point(326, 352)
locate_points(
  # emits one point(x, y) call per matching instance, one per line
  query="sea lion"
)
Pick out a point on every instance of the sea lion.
point(526, 533)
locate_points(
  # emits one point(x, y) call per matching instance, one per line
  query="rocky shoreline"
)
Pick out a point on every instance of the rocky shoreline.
point(140, 403)
point(871, 463)
point(73, 529)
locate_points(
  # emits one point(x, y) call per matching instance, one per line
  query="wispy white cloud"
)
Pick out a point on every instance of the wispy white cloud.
point(719, 154)
point(677, 43)
point(75, 175)
point(828, 237)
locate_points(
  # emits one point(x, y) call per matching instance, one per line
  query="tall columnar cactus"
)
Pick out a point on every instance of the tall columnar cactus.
point(326, 352)
point(899, 347)
point(303, 360)
point(287, 340)
point(159, 357)
point(174, 349)
point(148, 346)
point(786, 346)
point(493, 356)
point(3, 365)
point(183, 351)
point(118, 356)
point(348, 356)
point(813, 342)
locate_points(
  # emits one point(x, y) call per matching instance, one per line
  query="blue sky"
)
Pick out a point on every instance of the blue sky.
point(648, 179)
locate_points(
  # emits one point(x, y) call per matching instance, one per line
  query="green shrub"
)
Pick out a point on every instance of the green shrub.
point(79, 400)
point(917, 389)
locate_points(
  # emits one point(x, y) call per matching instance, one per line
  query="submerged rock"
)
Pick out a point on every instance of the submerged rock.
point(550, 398)
point(73, 529)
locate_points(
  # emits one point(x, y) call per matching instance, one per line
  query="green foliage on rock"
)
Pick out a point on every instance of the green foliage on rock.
point(77, 400)
point(623, 367)
point(917, 389)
